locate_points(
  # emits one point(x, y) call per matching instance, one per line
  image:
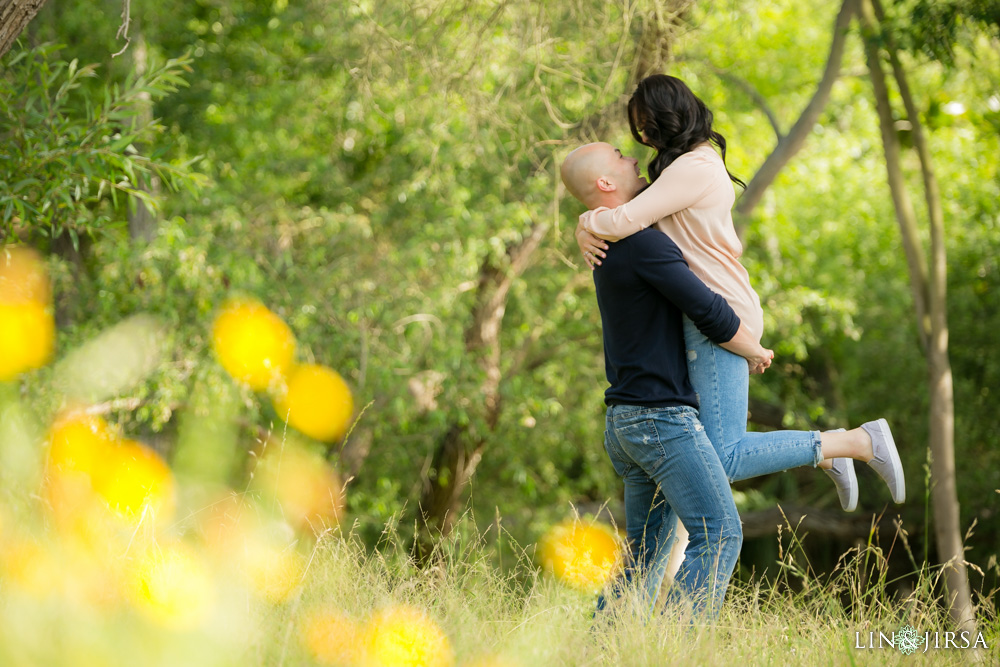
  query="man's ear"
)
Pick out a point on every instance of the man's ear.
point(604, 185)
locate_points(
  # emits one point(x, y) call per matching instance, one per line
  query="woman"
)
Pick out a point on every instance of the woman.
point(690, 198)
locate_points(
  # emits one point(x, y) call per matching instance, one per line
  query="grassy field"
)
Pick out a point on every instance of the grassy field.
point(231, 601)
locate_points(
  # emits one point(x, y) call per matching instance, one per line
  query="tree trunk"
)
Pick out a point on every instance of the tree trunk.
point(942, 400)
point(792, 143)
point(15, 15)
point(747, 88)
point(460, 449)
point(933, 326)
point(902, 205)
point(142, 220)
point(655, 37)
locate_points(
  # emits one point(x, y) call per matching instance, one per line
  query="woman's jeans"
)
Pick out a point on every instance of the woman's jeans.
point(722, 381)
point(655, 483)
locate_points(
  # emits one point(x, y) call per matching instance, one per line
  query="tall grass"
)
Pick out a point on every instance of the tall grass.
point(526, 618)
point(510, 616)
point(82, 598)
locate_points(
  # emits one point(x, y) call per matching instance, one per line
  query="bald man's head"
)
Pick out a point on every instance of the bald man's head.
point(599, 175)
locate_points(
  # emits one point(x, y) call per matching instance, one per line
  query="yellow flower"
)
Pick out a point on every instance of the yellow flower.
point(30, 567)
point(316, 401)
point(332, 638)
point(226, 523)
point(79, 447)
point(79, 443)
point(27, 337)
point(172, 587)
point(27, 329)
point(23, 277)
point(492, 661)
point(304, 484)
point(93, 479)
point(582, 555)
point(254, 345)
point(48, 569)
point(137, 479)
point(272, 572)
point(402, 636)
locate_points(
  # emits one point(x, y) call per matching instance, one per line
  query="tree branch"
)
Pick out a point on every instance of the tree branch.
point(15, 15)
point(829, 523)
point(123, 28)
point(759, 100)
point(902, 205)
point(796, 137)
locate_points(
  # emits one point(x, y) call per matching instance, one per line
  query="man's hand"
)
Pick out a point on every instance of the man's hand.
point(760, 363)
point(591, 247)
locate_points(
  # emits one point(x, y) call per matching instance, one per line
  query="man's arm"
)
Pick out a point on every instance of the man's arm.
point(659, 262)
point(745, 344)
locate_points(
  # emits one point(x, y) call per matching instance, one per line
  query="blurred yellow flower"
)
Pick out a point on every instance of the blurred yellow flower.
point(23, 276)
point(80, 515)
point(79, 442)
point(316, 401)
point(30, 567)
point(271, 571)
point(583, 555)
point(402, 636)
point(332, 638)
point(308, 489)
point(86, 473)
point(172, 587)
point(27, 333)
point(79, 447)
point(43, 569)
point(254, 345)
point(27, 337)
point(137, 479)
point(492, 661)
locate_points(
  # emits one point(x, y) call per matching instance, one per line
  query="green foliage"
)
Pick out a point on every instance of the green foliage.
point(935, 27)
point(368, 160)
point(67, 153)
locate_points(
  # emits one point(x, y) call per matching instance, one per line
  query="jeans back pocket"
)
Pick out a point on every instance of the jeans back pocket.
point(640, 441)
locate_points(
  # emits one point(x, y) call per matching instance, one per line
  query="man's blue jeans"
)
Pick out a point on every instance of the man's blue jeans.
point(670, 469)
point(721, 380)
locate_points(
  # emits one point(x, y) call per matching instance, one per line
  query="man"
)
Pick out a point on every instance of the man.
point(653, 436)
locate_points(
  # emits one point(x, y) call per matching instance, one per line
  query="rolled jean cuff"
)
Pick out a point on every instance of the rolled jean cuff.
point(818, 448)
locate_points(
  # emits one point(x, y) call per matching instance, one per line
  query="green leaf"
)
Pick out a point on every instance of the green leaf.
point(22, 184)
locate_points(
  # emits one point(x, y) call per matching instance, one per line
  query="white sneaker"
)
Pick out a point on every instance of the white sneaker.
point(843, 476)
point(885, 460)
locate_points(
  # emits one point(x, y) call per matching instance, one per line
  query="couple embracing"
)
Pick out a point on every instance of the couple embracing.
point(682, 328)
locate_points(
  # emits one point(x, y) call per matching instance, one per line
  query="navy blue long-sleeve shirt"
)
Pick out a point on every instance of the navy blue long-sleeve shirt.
point(643, 288)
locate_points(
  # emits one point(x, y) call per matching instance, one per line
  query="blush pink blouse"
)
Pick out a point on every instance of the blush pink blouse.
point(691, 202)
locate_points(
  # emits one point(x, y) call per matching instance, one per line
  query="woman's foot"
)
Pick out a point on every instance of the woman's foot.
point(843, 476)
point(885, 459)
point(841, 471)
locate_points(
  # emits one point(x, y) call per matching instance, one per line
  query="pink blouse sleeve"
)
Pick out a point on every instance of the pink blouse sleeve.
point(680, 186)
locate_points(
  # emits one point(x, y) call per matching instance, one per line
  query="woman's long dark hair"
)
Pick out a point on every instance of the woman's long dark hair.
point(674, 119)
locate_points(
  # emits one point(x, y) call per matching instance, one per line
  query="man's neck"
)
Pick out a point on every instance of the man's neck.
point(609, 200)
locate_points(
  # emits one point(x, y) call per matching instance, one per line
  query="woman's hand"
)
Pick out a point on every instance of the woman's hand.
point(760, 362)
point(591, 246)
